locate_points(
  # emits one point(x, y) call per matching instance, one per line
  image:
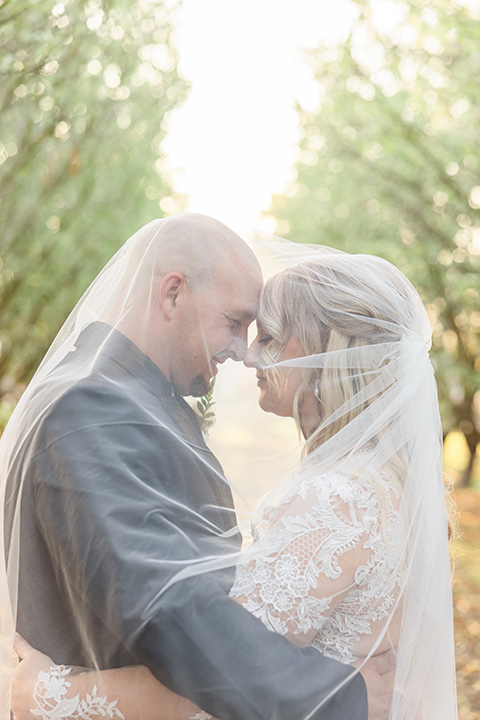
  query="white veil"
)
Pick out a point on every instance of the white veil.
point(379, 417)
point(377, 420)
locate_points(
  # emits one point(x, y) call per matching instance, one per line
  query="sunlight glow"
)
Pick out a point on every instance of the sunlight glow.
point(233, 143)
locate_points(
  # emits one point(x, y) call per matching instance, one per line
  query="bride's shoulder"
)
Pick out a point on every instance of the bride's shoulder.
point(355, 482)
point(350, 498)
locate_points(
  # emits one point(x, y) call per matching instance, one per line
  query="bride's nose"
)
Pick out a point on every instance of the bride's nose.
point(252, 358)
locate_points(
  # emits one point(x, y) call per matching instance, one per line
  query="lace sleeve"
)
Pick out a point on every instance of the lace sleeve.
point(303, 562)
point(127, 693)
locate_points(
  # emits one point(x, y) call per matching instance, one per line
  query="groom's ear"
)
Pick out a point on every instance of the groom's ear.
point(171, 288)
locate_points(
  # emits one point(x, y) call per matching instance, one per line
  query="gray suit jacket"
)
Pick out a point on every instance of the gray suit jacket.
point(113, 503)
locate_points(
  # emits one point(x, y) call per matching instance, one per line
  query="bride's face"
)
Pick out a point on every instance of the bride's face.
point(277, 388)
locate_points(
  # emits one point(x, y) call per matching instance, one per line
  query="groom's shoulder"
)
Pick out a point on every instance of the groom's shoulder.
point(88, 403)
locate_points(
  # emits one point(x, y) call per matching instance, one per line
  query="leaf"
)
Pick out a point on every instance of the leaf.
point(64, 708)
point(204, 408)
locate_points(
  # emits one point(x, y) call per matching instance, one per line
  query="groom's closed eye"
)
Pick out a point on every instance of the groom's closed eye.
point(234, 324)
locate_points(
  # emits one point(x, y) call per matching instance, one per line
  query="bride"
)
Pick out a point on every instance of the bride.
point(350, 552)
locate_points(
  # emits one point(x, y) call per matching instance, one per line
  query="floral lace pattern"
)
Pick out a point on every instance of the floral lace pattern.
point(325, 564)
point(51, 703)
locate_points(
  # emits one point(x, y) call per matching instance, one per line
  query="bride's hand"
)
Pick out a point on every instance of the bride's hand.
point(25, 677)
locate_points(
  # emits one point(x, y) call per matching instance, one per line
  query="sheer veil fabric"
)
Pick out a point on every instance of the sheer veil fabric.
point(380, 431)
point(367, 492)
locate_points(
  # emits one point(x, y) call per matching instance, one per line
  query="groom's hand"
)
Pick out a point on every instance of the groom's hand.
point(379, 675)
point(25, 677)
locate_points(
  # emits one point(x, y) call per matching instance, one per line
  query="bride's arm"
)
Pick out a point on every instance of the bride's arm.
point(132, 693)
point(303, 565)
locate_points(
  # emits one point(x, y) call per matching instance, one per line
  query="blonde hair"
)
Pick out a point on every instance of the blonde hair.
point(328, 304)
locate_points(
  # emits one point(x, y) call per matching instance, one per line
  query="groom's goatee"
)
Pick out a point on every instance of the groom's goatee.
point(199, 386)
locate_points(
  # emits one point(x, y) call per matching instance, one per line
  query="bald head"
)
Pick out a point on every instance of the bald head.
point(196, 245)
point(190, 291)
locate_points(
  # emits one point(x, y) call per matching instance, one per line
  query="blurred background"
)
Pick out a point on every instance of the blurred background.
point(354, 124)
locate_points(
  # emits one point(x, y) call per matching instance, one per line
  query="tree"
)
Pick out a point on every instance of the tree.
point(388, 164)
point(85, 92)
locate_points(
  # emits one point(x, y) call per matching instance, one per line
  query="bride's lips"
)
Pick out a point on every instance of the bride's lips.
point(261, 380)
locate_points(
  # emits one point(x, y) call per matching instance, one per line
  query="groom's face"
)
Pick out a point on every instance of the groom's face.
point(215, 325)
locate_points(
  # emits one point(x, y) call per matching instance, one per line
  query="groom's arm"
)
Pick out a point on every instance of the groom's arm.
point(225, 660)
point(117, 551)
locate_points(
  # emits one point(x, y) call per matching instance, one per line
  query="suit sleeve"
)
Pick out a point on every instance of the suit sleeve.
point(107, 494)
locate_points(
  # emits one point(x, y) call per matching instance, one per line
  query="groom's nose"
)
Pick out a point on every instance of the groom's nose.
point(236, 351)
point(239, 347)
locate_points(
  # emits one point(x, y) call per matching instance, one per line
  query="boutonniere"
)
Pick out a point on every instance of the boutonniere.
point(204, 407)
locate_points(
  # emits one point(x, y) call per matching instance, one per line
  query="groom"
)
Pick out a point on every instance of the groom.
point(119, 493)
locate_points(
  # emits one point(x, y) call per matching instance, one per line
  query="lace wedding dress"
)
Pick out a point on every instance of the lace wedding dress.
point(324, 567)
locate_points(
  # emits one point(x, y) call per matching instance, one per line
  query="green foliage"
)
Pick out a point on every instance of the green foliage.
point(389, 165)
point(204, 407)
point(85, 91)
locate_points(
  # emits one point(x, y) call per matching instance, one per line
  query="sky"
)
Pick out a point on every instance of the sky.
point(232, 145)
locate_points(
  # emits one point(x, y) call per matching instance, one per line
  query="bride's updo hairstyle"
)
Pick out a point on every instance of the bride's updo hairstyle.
point(339, 307)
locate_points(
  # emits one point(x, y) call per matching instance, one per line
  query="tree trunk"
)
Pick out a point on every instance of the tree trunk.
point(472, 439)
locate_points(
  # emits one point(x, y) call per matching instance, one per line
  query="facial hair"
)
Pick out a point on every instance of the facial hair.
point(199, 386)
